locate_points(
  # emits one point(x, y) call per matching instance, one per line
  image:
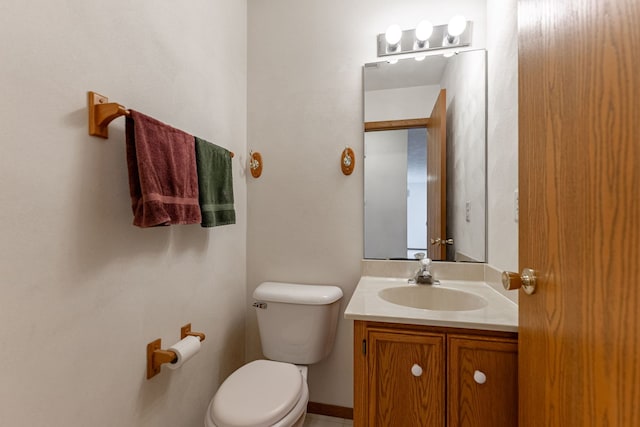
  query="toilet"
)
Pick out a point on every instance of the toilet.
point(297, 325)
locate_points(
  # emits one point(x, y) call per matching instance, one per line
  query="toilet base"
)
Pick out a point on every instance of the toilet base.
point(295, 417)
point(300, 421)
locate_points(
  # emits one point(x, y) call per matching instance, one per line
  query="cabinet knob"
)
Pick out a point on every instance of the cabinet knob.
point(416, 370)
point(479, 377)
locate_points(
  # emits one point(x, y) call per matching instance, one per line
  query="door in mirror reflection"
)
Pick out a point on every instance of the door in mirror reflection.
point(437, 179)
point(405, 186)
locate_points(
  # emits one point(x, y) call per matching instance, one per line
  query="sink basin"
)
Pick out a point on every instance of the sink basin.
point(432, 298)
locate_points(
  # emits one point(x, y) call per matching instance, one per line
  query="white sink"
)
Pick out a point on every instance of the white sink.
point(433, 298)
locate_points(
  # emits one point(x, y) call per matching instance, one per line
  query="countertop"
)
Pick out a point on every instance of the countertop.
point(500, 313)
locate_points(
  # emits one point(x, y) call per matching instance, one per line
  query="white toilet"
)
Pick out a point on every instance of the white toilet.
point(297, 326)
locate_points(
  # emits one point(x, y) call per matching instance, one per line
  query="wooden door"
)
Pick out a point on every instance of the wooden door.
point(579, 180)
point(471, 401)
point(437, 178)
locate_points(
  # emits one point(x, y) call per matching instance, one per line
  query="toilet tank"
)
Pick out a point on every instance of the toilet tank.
point(297, 323)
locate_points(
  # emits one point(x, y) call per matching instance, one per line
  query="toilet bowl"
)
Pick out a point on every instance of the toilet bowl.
point(262, 393)
point(297, 326)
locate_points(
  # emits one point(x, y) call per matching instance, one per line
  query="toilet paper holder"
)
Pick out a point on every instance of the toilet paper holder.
point(156, 357)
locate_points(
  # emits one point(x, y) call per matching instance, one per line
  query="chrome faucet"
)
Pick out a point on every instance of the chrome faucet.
point(423, 276)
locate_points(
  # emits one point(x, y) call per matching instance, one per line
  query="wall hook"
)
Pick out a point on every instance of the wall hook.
point(347, 161)
point(255, 164)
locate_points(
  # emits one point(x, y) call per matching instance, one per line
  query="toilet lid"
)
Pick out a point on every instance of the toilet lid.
point(258, 394)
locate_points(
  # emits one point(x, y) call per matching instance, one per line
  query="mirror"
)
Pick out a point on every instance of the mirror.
point(425, 158)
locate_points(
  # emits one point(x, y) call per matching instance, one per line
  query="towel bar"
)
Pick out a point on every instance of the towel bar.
point(102, 112)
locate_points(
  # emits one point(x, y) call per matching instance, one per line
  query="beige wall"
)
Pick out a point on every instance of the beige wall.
point(466, 163)
point(82, 291)
point(305, 218)
point(502, 132)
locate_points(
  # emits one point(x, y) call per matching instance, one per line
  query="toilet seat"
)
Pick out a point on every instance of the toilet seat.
point(262, 393)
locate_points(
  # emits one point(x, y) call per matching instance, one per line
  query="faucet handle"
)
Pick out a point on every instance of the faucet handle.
point(426, 263)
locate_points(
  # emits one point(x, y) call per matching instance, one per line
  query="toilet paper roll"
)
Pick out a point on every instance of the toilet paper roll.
point(184, 349)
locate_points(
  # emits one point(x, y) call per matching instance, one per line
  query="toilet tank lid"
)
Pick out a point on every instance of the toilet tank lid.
point(295, 293)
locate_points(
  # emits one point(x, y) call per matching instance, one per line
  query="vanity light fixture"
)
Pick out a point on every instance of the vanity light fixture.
point(392, 36)
point(425, 37)
point(456, 26)
point(423, 32)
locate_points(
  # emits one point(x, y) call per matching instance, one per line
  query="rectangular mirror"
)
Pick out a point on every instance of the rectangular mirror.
point(425, 158)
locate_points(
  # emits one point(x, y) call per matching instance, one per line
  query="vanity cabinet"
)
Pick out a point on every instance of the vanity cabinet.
point(409, 375)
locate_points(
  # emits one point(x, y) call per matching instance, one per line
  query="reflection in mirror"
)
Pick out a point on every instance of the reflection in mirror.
point(395, 193)
point(425, 158)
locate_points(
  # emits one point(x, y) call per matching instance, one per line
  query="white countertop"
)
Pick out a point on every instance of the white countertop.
point(500, 314)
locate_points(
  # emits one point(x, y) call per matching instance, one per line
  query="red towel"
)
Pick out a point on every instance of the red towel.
point(163, 179)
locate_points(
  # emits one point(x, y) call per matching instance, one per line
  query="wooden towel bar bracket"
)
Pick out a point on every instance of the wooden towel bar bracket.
point(102, 112)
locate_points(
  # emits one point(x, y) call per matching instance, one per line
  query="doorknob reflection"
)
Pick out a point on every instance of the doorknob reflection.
point(439, 241)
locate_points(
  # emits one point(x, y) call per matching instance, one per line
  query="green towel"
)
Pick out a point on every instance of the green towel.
point(215, 183)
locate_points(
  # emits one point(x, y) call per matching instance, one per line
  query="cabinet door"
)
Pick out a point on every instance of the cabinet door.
point(483, 382)
point(406, 378)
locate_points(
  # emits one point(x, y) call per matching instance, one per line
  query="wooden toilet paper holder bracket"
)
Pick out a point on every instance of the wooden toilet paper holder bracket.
point(156, 356)
point(186, 331)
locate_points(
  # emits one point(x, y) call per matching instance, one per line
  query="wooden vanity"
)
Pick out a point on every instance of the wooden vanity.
point(433, 367)
point(414, 375)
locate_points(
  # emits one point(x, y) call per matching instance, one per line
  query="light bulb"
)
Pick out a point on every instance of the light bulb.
point(393, 61)
point(457, 25)
point(393, 35)
point(420, 58)
point(424, 31)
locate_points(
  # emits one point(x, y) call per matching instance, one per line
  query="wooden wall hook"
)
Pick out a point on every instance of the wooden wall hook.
point(255, 164)
point(347, 161)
